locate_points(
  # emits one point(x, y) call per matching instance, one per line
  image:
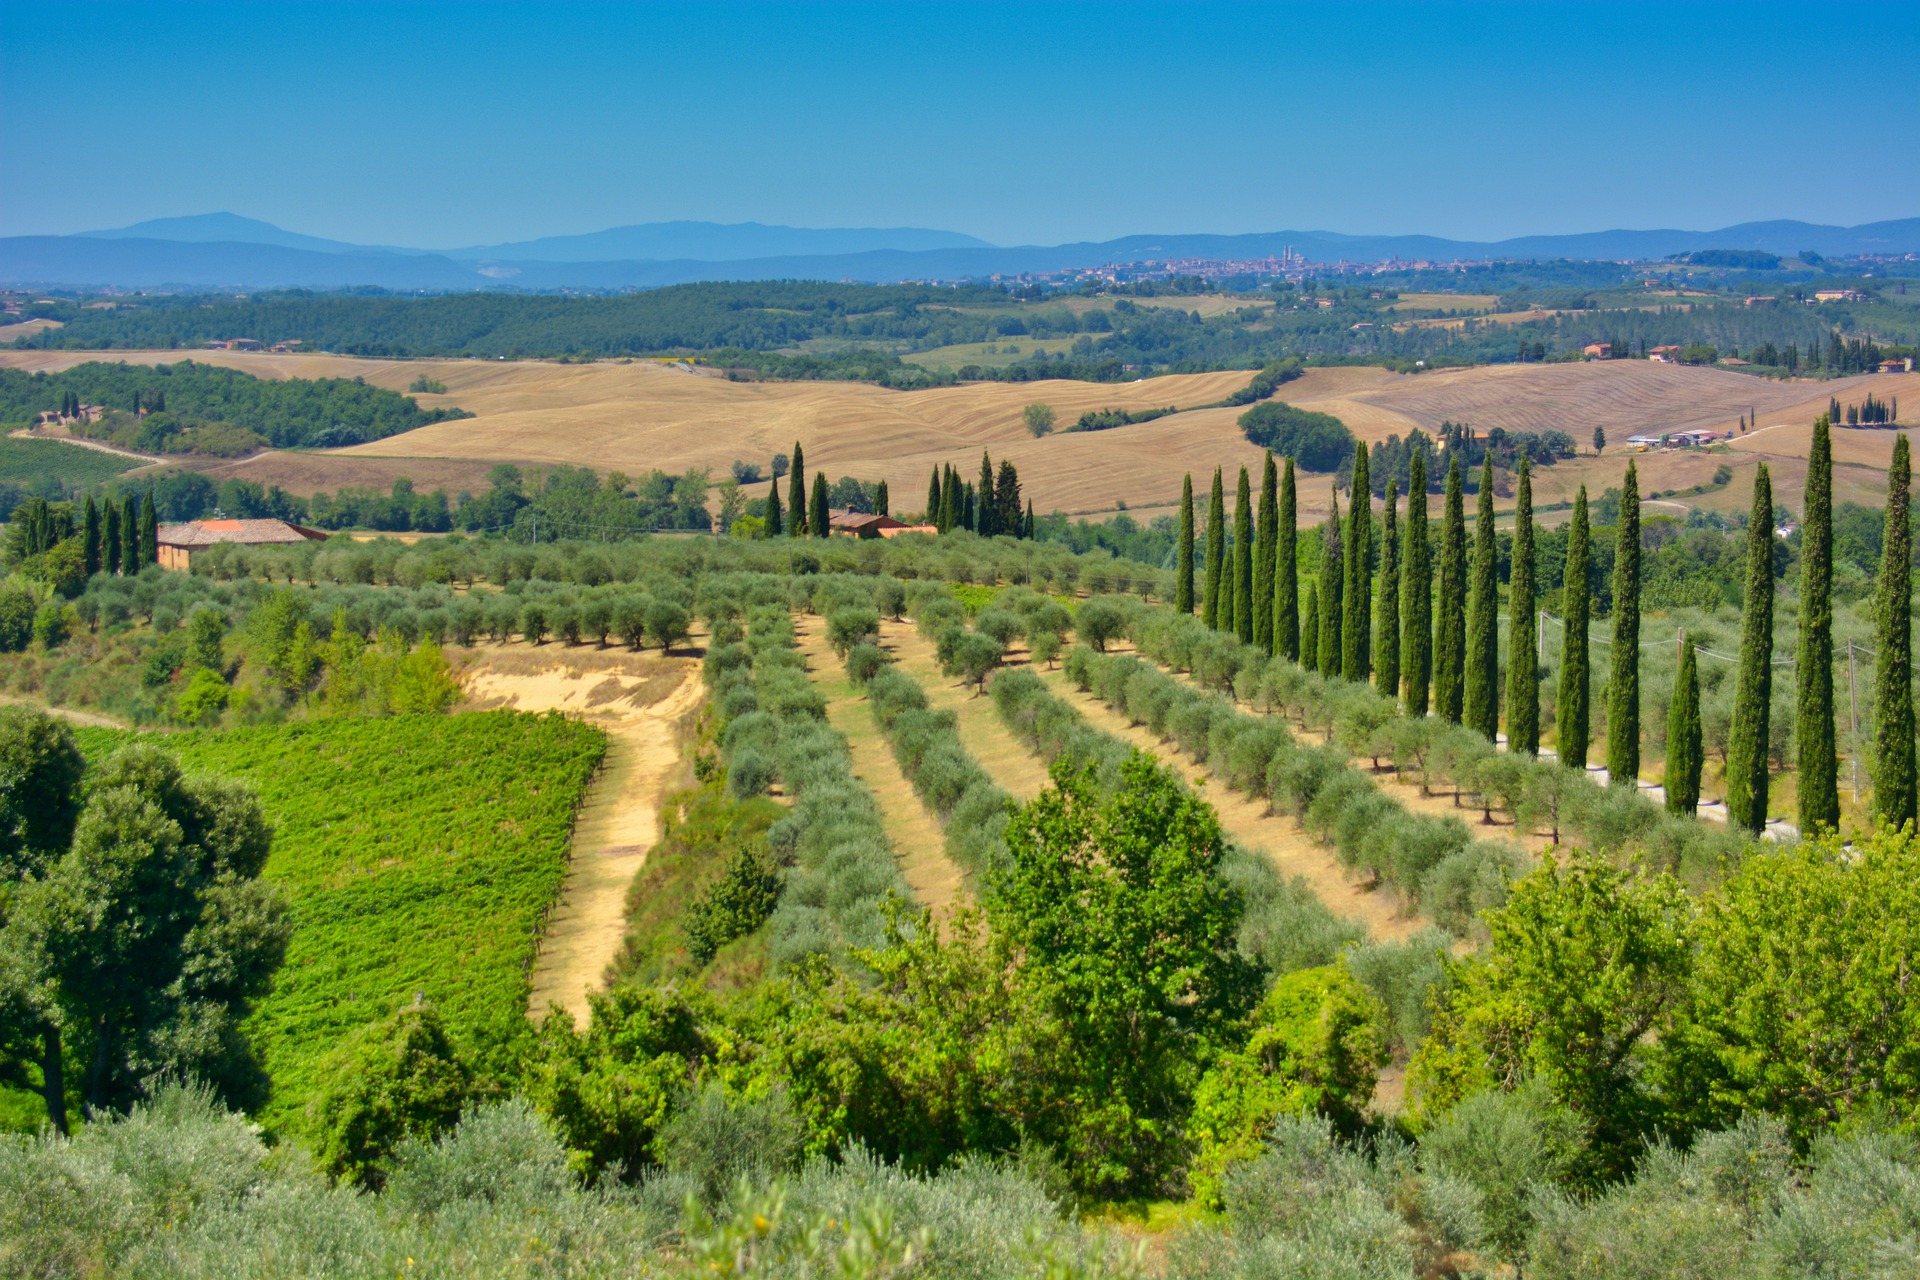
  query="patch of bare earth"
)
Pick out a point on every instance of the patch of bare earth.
point(919, 843)
point(646, 703)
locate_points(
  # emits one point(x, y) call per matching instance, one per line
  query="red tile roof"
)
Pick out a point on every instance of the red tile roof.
point(251, 533)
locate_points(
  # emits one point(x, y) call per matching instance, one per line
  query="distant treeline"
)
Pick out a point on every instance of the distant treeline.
point(290, 413)
point(807, 330)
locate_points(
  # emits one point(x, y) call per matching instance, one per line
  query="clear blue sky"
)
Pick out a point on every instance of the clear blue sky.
point(452, 124)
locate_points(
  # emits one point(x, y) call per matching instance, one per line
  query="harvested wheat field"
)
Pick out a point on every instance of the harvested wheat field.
point(644, 414)
point(646, 704)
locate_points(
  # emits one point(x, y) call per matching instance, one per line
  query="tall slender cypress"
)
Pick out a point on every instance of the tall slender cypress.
point(1573, 705)
point(130, 536)
point(1265, 534)
point(149, 532)
point(933, 497)
point(950, 500)
point(1216, 557)
point(817, 510)
point(1310, 627)
point(1813, 662)
point(1623, 688)
point(1386, 603)
point(1450, 625)
point(1356, 588)
point(1481, 709)
point(1286, 570)
point(1684, 754)
point(1243, 559)
point(797, 493)
point(110, 537)
point(882, 500)
point(1332, 578)
point(1753, 688)
point(1523, 659)
point(1893, 765)
point(776, 519)
point(1416, 595)
point(986, 522)
point(1183, 579)
point(90, 541)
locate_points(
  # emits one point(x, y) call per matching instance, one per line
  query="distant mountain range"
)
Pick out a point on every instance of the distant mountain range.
point(224, 250)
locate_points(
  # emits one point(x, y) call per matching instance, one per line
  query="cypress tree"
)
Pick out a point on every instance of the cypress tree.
point(1813, 663)
point(797, 492)
point(1265, 534)
point(1243, 559)
point(1523, 659)
point(1008, 517)
point(986, 520)
point(1623, 689)
point(1481, 709)
point(776, 519)
point(1216, 555)
point(90, 544)
point(1286, 570)
point(1332, 576)
point(1356, 588)
point(1573, 705)
point(817, 512)
point(1029, 532)
point(110, 537)
point(130, 536)
point(1893, 766)
point(1450, 627)
point(882, 501)
point(1416, 594)
point(969, 508)
point(1753, 689)
point(149, 532)
point(1310, 627)
point(934, 505)
point(1684, 754)
point(1386, 604)
point(949, 514)
point(1183, 576)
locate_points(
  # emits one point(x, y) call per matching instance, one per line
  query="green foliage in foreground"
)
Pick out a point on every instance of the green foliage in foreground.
point(418, 853)
point(180, 1189)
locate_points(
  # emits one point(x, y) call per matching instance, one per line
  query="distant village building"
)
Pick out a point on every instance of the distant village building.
point(1640, 444)
point(1838, 295)
point(179, 542)
point(1903, 365)
point(860, 524)
point(1693, 439)
point(1758, 301)
point(235, 344)
point(1597, 351)
point(1664, 355)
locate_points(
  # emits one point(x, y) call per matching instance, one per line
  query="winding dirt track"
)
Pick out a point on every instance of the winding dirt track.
point(646, 704)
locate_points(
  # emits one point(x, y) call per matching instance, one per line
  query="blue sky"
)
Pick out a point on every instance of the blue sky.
point(452, 124)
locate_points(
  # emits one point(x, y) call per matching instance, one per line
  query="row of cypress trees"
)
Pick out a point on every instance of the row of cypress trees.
point(991, 507)
point(1439, 642)
point(119, 537)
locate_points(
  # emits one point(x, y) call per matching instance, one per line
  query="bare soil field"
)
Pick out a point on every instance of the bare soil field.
point(646, 703)
point(645, 414)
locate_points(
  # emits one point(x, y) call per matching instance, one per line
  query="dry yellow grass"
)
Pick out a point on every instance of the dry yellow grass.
point(1446, 302)
point(645, 414)
point(26, 329)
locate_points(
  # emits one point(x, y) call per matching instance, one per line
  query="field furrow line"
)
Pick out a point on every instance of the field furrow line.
point(919, 844)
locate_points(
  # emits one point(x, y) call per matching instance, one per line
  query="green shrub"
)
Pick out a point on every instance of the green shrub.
point(392, 1080)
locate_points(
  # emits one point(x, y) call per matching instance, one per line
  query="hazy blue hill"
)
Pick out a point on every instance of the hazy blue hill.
point(720, 242)
point(227, 228)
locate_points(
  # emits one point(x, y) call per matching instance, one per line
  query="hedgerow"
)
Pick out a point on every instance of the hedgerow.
point(1535, 792)
point(1434, 862)
point(1284, 925)
point(840, 869)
